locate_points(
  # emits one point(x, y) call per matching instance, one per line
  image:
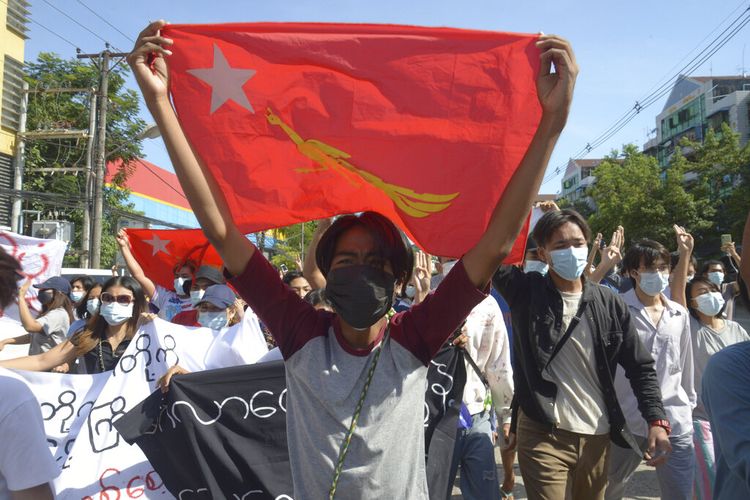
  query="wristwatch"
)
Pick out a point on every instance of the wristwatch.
point(661, 423)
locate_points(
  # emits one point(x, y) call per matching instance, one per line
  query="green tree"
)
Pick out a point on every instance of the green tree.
point(721, 169)
point(70, 110)
point(291, 243)
point(636, 194)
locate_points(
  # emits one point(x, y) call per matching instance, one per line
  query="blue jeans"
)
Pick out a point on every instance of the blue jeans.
point(475, 452)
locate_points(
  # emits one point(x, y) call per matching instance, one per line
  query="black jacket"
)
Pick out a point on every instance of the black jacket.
point(536, 309)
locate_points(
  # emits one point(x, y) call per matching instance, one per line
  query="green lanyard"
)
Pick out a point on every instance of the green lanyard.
point(350, 433)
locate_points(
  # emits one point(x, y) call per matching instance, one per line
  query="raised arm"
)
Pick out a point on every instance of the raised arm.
point(28, 322)
point(44, 362)
point(310, 267)
point(611, 256)
point(555, 92)
point(685, 245)
point(206, 199)
point(135, 269)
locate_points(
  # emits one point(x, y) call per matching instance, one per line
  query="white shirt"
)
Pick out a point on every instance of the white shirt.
point(670, 345)
point(25, 458)
point(579, 405)
point(169, 303)
point(489, 348)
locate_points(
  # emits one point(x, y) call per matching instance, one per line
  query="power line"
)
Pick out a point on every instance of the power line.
point(78, 23)
point(714, 46)
point(103, 19)
point(49, 30)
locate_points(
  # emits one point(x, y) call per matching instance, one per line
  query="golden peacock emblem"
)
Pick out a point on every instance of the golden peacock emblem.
point(328, 158)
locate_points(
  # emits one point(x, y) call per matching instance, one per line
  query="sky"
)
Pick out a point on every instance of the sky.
point(625, 50)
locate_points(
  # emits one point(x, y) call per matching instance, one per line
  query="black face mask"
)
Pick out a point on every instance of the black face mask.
point(45, 296)
point(360, 294)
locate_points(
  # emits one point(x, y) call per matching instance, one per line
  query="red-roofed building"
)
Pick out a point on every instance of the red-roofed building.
point(155, 192)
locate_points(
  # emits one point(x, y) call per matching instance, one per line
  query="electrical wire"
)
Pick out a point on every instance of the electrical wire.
point(716, 44)
point(103, 19)
point(79, 24)
point(49, 30)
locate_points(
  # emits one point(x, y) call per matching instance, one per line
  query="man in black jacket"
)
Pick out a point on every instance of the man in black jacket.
point(570, 335)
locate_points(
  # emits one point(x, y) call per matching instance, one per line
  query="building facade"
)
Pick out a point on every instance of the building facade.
point(14, 20)
point(156, 193)
point(579, 175)
point(698, 104)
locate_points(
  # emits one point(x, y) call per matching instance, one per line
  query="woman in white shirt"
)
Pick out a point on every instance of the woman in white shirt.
point(710, 334)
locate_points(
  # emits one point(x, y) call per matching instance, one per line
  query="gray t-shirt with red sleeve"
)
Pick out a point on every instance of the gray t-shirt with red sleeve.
point(325, 376)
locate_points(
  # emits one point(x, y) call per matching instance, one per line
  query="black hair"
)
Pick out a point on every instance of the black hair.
point(10, 273)
point(86, 281)
point(390, 243)
point(291, 276)
point(59, 301)
point(317, 297)
point(81, 310)
point(713, 262)
point(649, 251)
point(700, 280)
point(674, 258)
point(551, 221)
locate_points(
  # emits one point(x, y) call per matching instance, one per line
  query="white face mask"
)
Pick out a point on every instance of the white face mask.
point(447, 267)
point(92, 305)
point(710, 303)
point(196, 296)
point(716, 277)
point(116, 314)
point(213, 320)
point(179, 284)
point(569, 263)
point(410, 291)
point(536, 266)
point(653, 284)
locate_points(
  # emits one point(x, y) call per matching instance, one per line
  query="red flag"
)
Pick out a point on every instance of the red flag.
point(159, 251)
point(303, 121)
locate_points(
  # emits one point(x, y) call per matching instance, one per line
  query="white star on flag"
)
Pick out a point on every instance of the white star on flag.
point(158, 244)
point(226, 82)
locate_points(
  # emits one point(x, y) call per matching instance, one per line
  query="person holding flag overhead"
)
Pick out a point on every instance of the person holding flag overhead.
point(356, 377)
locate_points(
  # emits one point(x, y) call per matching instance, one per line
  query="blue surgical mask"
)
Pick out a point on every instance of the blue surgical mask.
point(410, 291)
point(716, 277)
point(92, 305)
point(536, 266)
point(653, 284)
point(213, 320)
point(710, 303)
point(76, 296)
point(116, 314)
point(196, 296)
point(569, 263)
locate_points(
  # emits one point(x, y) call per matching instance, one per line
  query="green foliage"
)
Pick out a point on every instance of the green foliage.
point(636, 194)
point(70, 110)
point(723, 182)
point(291, 244)
point(581, 206)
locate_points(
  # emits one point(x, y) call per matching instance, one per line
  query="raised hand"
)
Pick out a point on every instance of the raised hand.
point(555, 90)
point(148, 64)
point(422, 275)
point(685, 242)
point(122, 239)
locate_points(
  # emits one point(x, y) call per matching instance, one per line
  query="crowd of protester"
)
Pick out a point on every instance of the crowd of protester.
point(585, 360)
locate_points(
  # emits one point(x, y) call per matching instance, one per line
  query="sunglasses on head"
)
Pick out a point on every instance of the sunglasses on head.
point(108, 298)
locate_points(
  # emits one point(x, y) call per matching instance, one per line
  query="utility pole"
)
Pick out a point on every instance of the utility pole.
point(19, 163)
point(86, 229)
point(101, 135)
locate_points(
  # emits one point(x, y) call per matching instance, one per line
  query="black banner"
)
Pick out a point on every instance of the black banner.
point(222, 433)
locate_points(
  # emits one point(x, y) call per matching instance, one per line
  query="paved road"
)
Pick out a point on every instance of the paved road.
point(643, 486)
